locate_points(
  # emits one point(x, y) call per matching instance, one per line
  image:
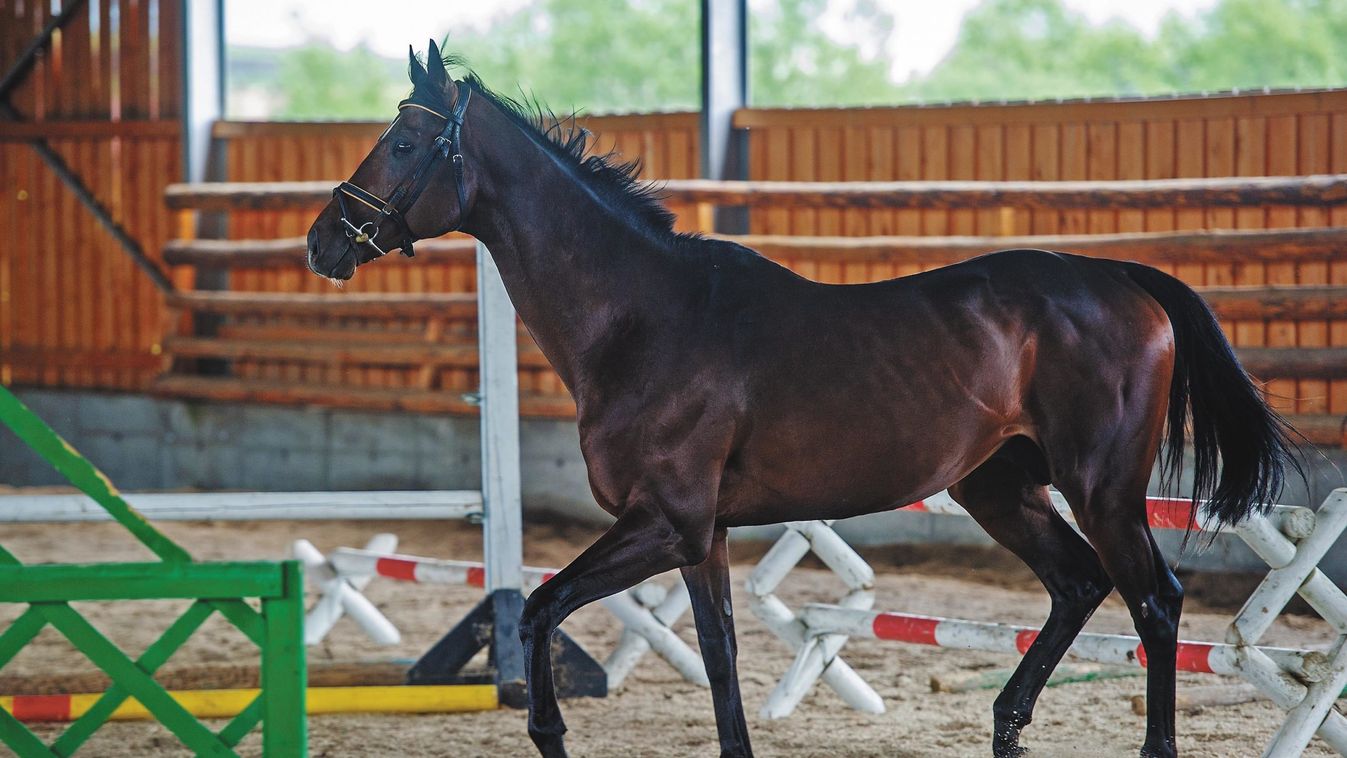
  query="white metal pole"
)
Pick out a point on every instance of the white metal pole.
point(503, 521)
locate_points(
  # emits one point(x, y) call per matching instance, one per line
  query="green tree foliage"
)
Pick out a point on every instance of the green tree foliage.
point(792, 62)
point(645, 56)
point(319, 82)
point(1259, 43)
point(1031, 49)
point(648, 56)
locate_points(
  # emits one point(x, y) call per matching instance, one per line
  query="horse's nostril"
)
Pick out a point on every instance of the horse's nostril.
point(313, 242)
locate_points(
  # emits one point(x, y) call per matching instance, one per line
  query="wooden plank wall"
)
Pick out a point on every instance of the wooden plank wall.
point(74, 310)
point(1253, 135)
point(665, 143)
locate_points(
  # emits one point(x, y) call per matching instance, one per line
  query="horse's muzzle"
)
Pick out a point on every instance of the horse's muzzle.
point(339, 262)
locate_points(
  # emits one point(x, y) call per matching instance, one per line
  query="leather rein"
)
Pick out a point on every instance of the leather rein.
point(448, 144)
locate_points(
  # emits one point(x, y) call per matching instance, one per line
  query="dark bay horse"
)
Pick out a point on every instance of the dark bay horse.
point(715, 388)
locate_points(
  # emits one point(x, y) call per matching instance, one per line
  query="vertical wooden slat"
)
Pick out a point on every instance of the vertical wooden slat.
point(133, 52)
point(1019, 152)
point(1282, 132)
point(1314, 154)
point(882, 163)
point(828, 168)
point(855, 223)
point(1075, 165)
point(1190, 160)
point(1160, 165)
point(803, 165)
point(169, 92)
point(1131, 165)
point(1337, 270)
point(1046, 166)
point(1250, 151)
point(1102, 163)
point(935, 165)
point(962, 165)
point(910, 167)
point(9, 177)
point(75, 279)
point(990, 166)
point(1220, 161)
point(777, 168)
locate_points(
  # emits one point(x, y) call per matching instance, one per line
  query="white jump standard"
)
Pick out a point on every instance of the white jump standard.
point(1291, 540)
point(647, 611)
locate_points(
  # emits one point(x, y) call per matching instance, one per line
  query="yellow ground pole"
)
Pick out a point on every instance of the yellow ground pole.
point(229, 703)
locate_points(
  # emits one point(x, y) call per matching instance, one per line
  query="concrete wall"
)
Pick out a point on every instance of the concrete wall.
point(147, 443)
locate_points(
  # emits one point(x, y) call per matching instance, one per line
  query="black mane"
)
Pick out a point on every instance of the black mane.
point(610, 177)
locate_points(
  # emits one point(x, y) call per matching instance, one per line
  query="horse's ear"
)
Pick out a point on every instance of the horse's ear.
point(439, 77)
point(415, 70)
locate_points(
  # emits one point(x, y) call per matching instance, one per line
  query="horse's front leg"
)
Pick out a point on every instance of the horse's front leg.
point(660, 530)
point(709, 585)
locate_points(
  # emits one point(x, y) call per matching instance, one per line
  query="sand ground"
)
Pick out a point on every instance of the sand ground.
point(656, 713)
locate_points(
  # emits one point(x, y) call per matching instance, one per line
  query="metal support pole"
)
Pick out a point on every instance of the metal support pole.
point(503, 522)
point(494, 623)
point(203, 84)
point(724, 91)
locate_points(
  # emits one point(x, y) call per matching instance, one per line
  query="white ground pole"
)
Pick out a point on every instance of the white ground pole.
point(647, 611)
point(1304, 682)
point(250, 506)
point(503, 522)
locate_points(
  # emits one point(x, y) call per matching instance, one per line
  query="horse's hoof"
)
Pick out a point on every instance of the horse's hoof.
point(549, 745)
point(1161, 752)
point(1009, 748)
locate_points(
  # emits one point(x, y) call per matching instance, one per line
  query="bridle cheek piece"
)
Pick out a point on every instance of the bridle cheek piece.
point(448, 144)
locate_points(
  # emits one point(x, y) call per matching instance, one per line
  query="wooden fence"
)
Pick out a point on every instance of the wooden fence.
point(315, 361)
point(1245, 135)
point(74, 310)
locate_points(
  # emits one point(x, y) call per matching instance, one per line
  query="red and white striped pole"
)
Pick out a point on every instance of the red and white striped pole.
point(1115, 649)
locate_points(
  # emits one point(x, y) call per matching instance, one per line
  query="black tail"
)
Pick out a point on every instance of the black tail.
point(1229, 415)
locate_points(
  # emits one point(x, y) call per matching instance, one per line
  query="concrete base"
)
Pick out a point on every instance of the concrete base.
point(147, 443)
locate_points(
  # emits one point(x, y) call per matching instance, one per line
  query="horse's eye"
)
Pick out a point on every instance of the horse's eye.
point(402, 146)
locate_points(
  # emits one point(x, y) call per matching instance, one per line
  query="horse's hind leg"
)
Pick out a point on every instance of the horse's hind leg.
point(1114, 520)
point(1018, 513)
point(709, 585)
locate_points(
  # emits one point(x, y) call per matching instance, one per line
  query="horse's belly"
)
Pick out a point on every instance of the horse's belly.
point(836, 482)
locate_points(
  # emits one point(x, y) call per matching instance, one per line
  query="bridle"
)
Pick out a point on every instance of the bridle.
point(448, 144)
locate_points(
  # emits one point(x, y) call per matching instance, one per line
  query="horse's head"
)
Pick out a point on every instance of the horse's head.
point(385, 204)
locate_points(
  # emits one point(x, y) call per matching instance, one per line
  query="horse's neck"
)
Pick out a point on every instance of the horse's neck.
point(567, 259)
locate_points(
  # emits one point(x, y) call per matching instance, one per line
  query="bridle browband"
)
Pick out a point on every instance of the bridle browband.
point(448, 144)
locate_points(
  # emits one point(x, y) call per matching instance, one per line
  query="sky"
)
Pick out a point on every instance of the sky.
point(926, 28)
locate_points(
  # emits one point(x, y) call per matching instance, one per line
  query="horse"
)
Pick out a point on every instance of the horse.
point(714, 388)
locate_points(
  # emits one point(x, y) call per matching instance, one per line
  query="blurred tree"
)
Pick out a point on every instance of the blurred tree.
point(1031, 49)
point(792, 62)
point(644, 56)
point(317, 81)
point(647, 57)
point(1259, 43)
point(640, 56)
